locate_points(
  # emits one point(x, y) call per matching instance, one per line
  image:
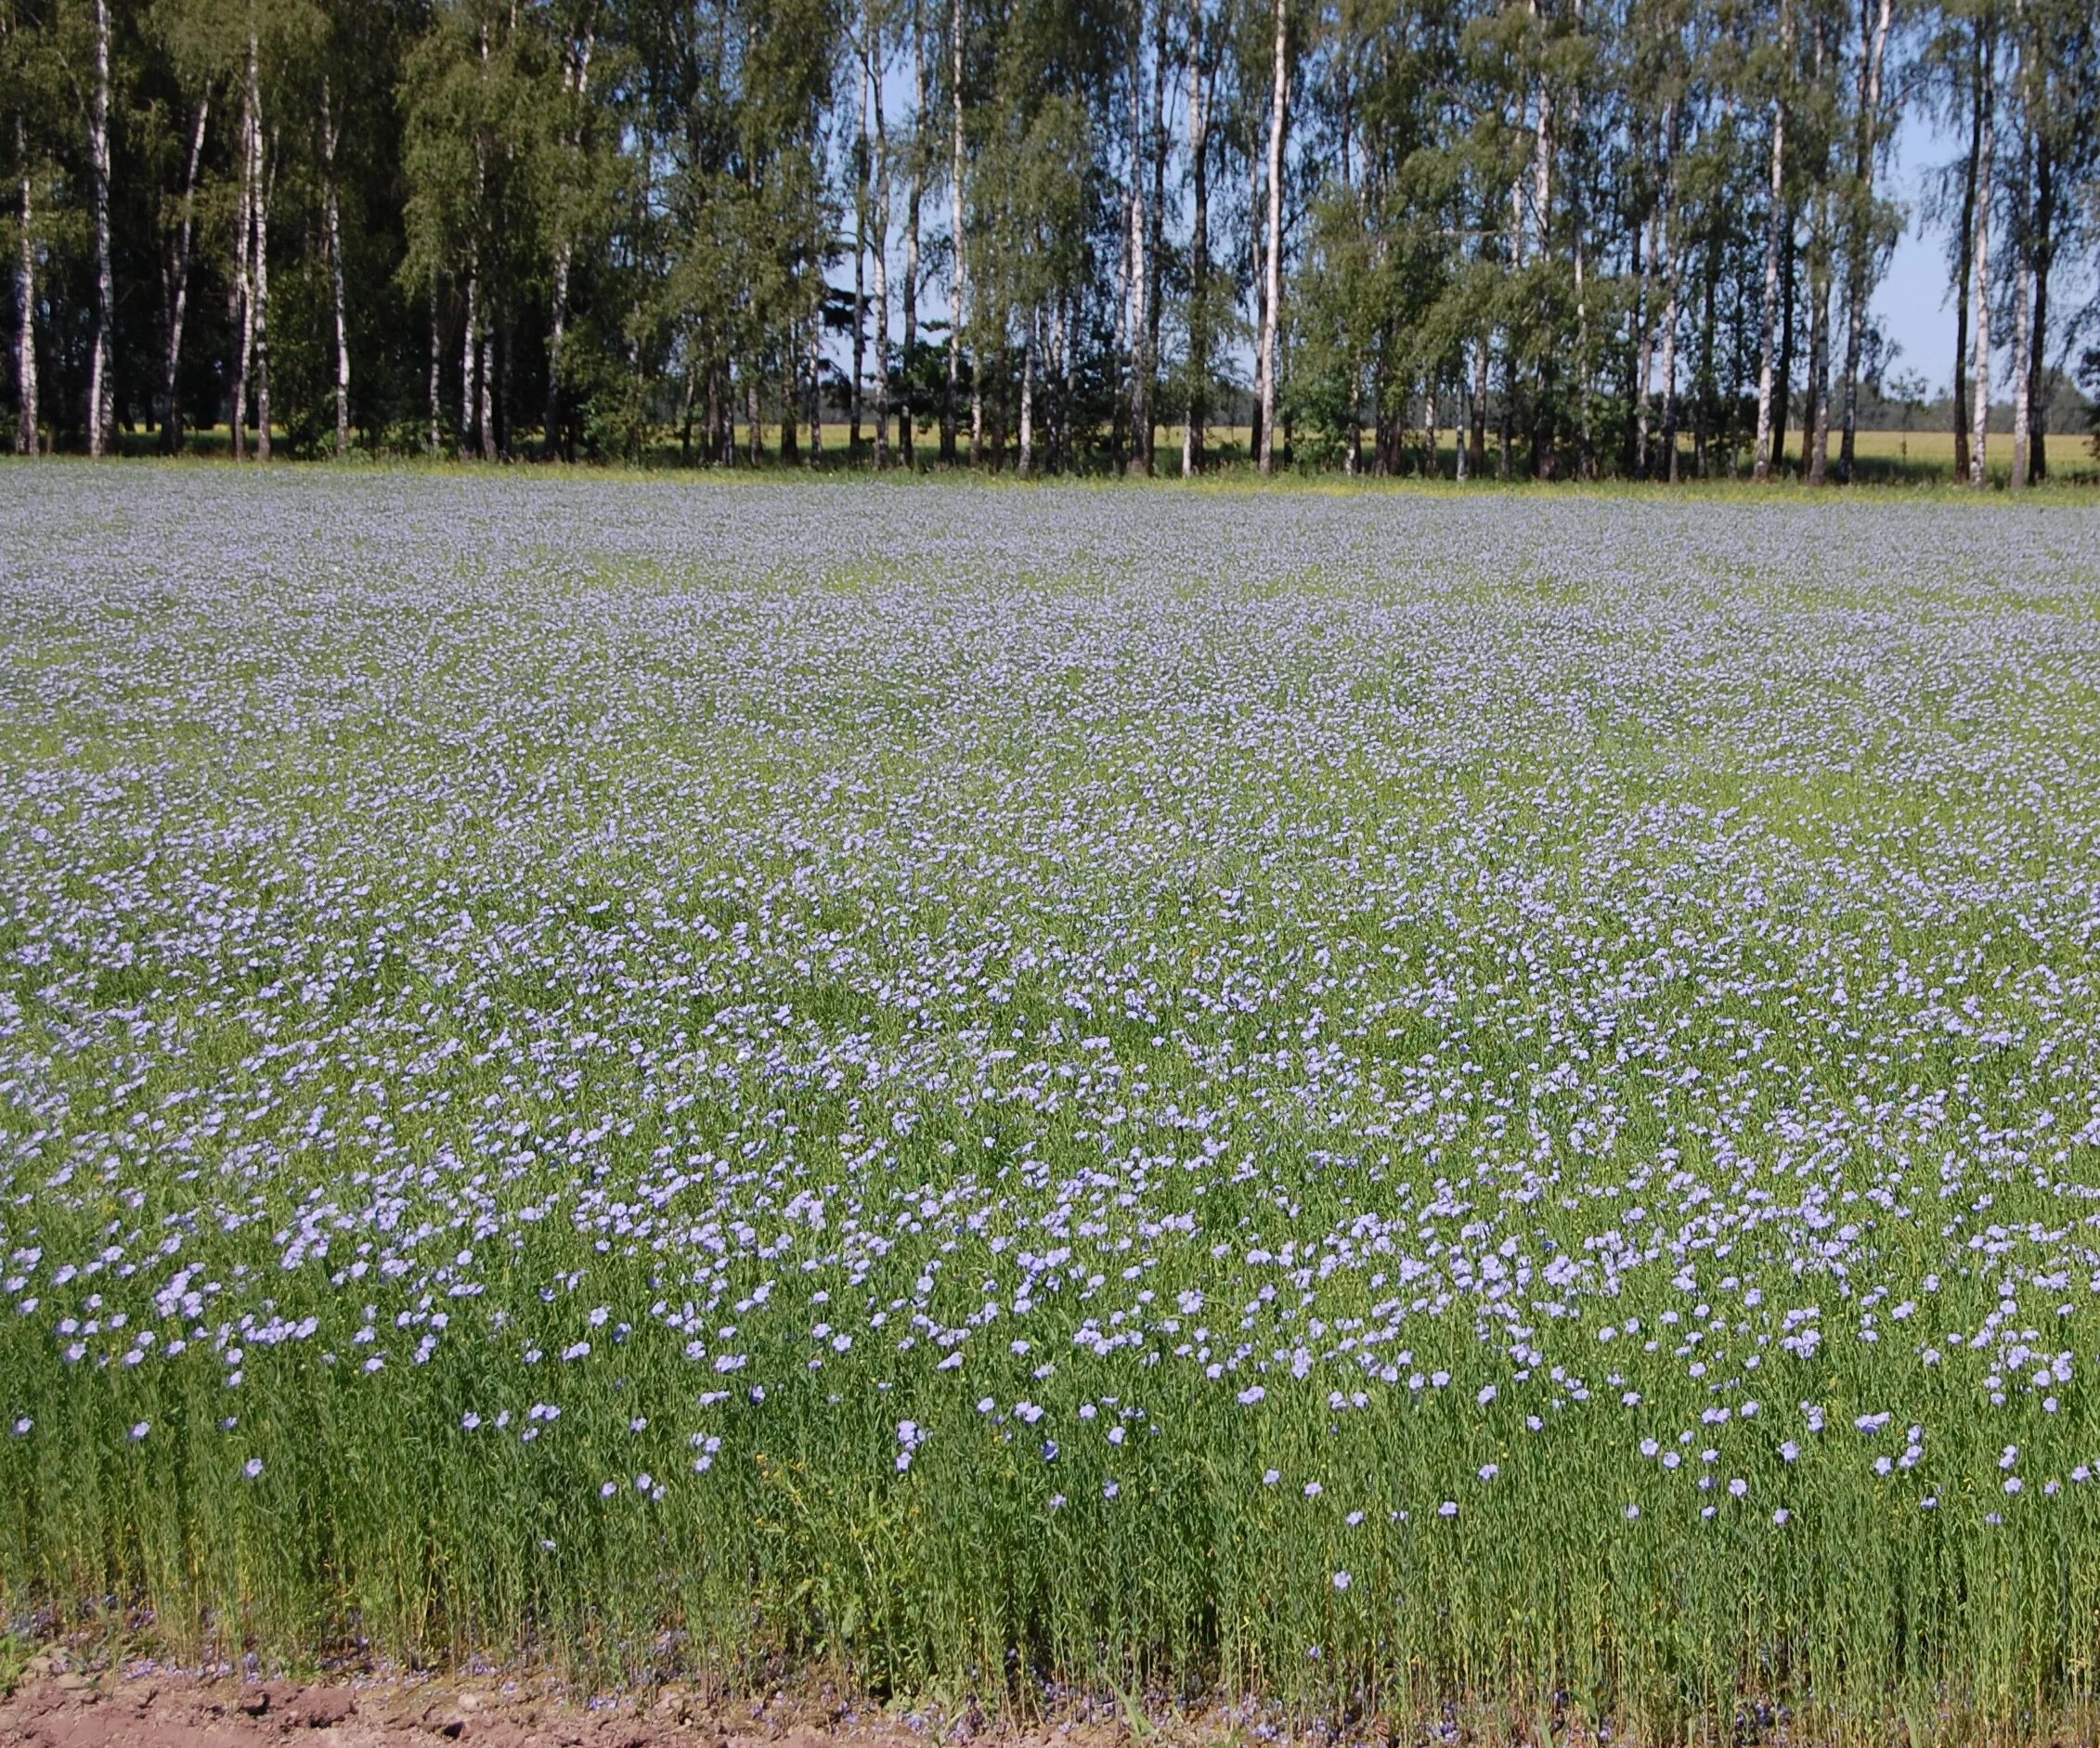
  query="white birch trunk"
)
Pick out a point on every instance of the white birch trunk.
point(860, 275)
point(436, 353)
point(487, 386)
point(959, 281)
point(1140, 399)
point(179, 289)
point(881, 239)
point(27, 435)
point(1198, 250)
point(331, 219)
point(1026, 462)
point(2023, 274)
point(576, 87)
point(1673, 293)
point(101, 378)
point(905, 436)
point(1775, 223)
point(1819, 360)
point(816, 419)
point(260, 289)
point(241, 297)
point(1272, 276)
point(470, 352)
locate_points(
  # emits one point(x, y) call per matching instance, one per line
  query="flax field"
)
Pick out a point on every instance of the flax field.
point(1417, 1106)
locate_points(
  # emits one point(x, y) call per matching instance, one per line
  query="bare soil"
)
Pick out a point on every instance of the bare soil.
point(146, 1706)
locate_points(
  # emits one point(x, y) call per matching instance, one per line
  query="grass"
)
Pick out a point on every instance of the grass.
point(1396, 1103)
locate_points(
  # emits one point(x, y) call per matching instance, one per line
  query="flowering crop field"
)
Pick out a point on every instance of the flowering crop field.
point(1387, 1101)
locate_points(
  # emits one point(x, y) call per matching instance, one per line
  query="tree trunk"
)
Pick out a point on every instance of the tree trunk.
point(960, 277)
point(1196, 411)
point(1964, 259)
point(2023, 275)
point(1979, 289)
point(332, 221)
point(881, 265)
point(860, 168)
point(905, 436)
point(1673, 288)
point(470, 354)
point(1273, 268)
point(486, 413)
point(1155, 253)
point(1026, 464)
point(27, 436)
point(240, 318)
point(1140, 273)
point(1816, 440)
point(2038, 357)
point(178, 286)
point(1859, 257)
point(1775, 220)
point(576, 87)
point(101, 376)
point(436, 353)
point(1644, 362)
point(1477, 459)
point(1257, 282)
point(816, 393)
point(2023, 302)
point(261, 289)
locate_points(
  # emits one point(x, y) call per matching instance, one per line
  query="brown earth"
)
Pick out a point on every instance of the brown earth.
point(146, 1706)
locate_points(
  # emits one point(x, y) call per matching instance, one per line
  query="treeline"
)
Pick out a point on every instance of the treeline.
point(1632, 237)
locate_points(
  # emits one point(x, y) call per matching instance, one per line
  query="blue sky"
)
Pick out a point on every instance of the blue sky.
point(1913, 302)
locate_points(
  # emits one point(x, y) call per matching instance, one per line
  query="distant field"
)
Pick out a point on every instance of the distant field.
point(1427, 1107)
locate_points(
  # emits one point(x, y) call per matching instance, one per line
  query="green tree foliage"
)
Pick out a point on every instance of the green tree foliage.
point(1583, 237)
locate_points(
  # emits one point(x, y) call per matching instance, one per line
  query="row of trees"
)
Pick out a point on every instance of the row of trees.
point(1632, 235)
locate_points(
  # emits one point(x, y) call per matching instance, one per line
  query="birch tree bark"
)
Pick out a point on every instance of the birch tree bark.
point(178, 286)
point(881, 239)
point(1140, 276)
point(436, 353)
point(260, 289)
point(1818, 437)
point(576, 91)
point(1272, 274)
point(959, 275)
point(1155, 252)
point(1775, 223)
point(331, 221)
point(1196, 411)
point(2023, 254)
point(860, 272)
point(101, 379)
point(27, 437)
point(240, 301)
point(1026, 464)
point(914, 189)
point(470, 354)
